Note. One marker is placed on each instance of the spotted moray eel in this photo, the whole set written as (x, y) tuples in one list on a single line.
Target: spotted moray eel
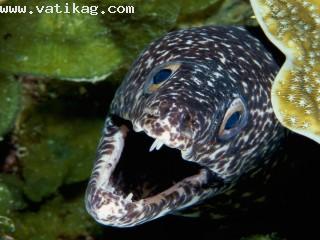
[(202, 93)]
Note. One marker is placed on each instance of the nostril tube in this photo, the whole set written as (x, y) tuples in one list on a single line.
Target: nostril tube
[(186, 118), (164, 108), (185, 122)]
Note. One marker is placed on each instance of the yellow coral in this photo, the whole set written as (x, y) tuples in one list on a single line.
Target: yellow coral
[(294, 27)]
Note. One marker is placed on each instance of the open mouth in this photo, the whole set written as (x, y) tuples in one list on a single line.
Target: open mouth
[(138, 178), (148, 167)]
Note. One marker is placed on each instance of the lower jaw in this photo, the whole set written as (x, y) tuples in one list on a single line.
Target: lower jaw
[(110, 199)]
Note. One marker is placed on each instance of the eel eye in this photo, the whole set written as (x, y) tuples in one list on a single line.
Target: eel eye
[(160, 75), (234, 120)]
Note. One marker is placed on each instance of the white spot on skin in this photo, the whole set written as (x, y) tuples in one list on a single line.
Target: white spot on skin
[(149, 62)]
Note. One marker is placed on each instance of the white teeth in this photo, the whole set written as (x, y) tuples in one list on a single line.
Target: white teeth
[(137, 128), (129, 197), (157, 144), (160, 144)]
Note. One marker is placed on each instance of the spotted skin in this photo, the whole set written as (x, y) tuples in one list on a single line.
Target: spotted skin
[(216, 67)]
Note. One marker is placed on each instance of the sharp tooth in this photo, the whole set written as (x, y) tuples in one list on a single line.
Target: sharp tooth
[(157, 144), (136, 128), (129, 197), (160, 144), (153, 146)]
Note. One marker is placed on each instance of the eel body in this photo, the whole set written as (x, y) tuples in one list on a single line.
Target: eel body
[(191, 119)]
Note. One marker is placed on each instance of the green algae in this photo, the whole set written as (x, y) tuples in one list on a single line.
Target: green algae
[(6, 226), (151, 20), (50, 46), (191, 6), (228, 12), (64, 46), (10, 97), (56, 219), (59, 140), (11, 200), (233, 12)]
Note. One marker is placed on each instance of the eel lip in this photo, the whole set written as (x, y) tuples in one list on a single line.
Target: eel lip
[(127, 190)]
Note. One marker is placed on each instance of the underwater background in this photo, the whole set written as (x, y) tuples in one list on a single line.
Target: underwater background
[(58, 74)]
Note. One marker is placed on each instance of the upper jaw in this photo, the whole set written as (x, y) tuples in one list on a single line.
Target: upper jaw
[(165, 133), (170, 139)]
